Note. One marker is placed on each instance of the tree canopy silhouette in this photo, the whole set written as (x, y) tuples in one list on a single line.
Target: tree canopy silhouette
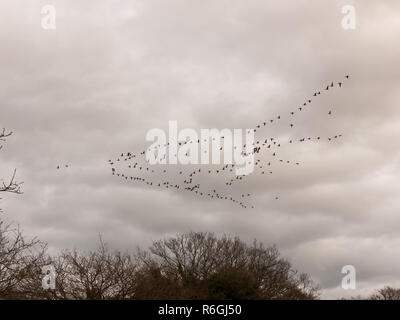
[(195, 265)]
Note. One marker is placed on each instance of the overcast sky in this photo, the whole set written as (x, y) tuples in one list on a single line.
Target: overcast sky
[(111, 70)]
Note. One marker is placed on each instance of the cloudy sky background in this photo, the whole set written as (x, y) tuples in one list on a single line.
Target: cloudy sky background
[(89, 90)]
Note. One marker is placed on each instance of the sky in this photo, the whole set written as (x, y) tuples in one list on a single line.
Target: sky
[(85, 92)]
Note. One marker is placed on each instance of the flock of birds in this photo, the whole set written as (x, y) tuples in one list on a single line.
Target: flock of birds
[(159, 176), (62, 166), (147, 174)]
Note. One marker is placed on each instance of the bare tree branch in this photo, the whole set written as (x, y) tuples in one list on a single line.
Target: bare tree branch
[(12, 186), (4, 134)]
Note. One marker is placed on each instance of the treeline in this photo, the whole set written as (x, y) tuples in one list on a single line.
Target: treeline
[(385, 293), (188, 266)]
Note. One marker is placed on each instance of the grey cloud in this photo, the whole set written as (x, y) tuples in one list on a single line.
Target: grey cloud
[(112, 70)]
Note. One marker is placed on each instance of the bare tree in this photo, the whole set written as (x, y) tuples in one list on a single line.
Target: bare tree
[(386, 293), (20, 261), (18, 256), (96, 275), (193, 260)]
